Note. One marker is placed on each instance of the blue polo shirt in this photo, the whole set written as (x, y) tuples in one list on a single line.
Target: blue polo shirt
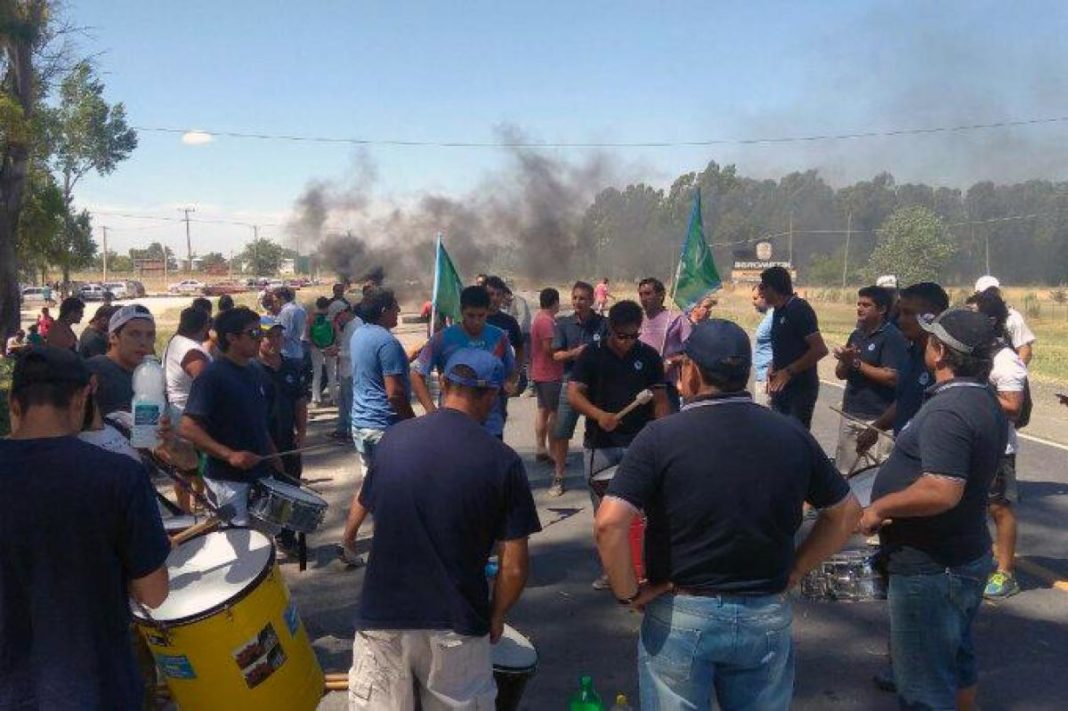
[(443, 491), (882, 348), (913, 379), (722, 484), (375, 353), (77, 524), (230, 403), (570, 333)]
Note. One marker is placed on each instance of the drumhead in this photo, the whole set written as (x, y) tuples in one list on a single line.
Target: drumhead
[(862, 482), (210, 570), (513, 652), (290, 491), (605, 474)]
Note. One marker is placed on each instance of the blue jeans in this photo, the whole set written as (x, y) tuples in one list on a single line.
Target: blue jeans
[(733, 646), (931, 633), (344, 405)]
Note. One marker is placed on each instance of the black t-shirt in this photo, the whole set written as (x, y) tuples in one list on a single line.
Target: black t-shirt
[(794, 322), (884, 347), (77, 524), (722, 485), (509, 325), (230, 403), (960, 432), (92, 343), (284, 387), (570, 334), (443, 491), (114, 385), (612, 383)]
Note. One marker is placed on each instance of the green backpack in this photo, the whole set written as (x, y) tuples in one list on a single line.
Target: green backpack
[(322, 332)]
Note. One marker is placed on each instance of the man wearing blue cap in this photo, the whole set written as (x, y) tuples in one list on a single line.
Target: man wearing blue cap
[(722, 511), (426, 615)]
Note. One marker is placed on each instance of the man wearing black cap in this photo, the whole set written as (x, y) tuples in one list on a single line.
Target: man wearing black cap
[(929, 505), (426, 614), (723, 508), (79, 529)]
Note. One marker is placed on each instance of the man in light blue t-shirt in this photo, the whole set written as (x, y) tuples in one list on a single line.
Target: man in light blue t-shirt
[(761, 348), (381, 392)]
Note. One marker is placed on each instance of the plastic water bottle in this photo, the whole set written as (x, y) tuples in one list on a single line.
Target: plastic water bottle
[(621, 704), (586, 698), (149, 403)]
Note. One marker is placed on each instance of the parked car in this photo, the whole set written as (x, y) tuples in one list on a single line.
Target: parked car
[(223, 287), (186, 286), (91, 292), (117, 289), (135, 289), (273, 284), (33, 293)]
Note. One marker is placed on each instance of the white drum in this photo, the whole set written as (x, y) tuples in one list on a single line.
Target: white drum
[(514, 661)]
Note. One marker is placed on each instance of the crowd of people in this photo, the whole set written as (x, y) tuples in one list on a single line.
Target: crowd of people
[(720, 475)]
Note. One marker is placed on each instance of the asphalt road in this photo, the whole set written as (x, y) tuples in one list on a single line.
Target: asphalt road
[(840, 645)]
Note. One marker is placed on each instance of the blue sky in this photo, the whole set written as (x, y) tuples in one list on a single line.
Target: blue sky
[(559, 71)]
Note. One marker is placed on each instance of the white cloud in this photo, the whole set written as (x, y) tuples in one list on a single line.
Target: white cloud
[(197, 138)]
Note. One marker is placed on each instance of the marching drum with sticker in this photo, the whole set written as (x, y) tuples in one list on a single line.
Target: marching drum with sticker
[(514, 661), (282, 505), (228, 635)]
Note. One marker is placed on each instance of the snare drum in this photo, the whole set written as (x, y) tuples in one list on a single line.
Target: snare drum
[(228, 635), (862, 482), (847, 575), (514, 661), (282, 505)]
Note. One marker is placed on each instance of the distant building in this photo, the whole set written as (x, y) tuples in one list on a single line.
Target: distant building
[(287, 267)]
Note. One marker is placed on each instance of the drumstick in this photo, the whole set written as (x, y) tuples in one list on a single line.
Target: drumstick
[(196, 529), (301, 450), (642, 398), (859, 421)]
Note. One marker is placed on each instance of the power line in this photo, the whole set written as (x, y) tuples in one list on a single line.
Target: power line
[(163, 218), (1008, 123)]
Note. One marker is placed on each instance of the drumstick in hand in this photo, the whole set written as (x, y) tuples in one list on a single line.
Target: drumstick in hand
[(642, 398)]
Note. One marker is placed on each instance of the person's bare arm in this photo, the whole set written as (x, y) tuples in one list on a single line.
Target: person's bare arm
[(1011, 403), (1025, 352), (817, 350), (929, 495), (612, 531), (398, 397), (564, 356), (194, 363), (422, 392), (833, 528), (576, 397), (152, 589), (514, 565), (193, 431)]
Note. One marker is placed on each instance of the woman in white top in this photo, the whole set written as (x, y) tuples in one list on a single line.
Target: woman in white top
[(183, 360)]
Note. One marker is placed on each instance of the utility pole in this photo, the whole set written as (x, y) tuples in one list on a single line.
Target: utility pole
[(163, 246), (188, 241), (230, 264), (104, 259), (986, 238), (845, 259), (791, 249), (255, 248)]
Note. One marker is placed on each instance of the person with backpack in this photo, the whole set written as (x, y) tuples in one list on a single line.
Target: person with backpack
[(324, 351), (1008, 377)]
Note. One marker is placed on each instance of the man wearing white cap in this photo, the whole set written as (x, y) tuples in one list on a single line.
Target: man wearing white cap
[(131, 337), (1021, 336), (889, 282)]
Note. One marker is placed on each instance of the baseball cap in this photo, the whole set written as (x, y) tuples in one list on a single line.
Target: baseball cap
[(127, 313), (41, 364), (962, 330), (985, 282), (335, 308), (719, 345), (268, 322), (488, 369), (887, 281)]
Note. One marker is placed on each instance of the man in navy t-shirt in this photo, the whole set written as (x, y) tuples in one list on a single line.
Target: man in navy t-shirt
[(79, 529), (426, 615), (796, 347), (226, 416)]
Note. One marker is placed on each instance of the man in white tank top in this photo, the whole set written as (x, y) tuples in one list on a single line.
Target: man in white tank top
[(183, 360)]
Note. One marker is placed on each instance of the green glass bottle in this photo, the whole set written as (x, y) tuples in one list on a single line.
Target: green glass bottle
[(586, 698)]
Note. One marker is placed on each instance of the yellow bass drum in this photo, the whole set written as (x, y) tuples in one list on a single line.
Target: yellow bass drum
[(228, 635)]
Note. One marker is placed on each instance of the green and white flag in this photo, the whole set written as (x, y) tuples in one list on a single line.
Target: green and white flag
[(696, 275), (447, 287)]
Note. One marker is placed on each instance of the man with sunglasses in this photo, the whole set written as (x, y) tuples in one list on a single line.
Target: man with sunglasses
[(226, 416), (606, 378)]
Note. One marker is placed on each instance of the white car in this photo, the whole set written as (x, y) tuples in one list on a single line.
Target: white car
[(117, 289), (186, 286), (91, 292), (34, 293)]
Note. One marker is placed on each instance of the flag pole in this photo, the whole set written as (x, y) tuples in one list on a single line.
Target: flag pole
[(682, 249), (434, 292)]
